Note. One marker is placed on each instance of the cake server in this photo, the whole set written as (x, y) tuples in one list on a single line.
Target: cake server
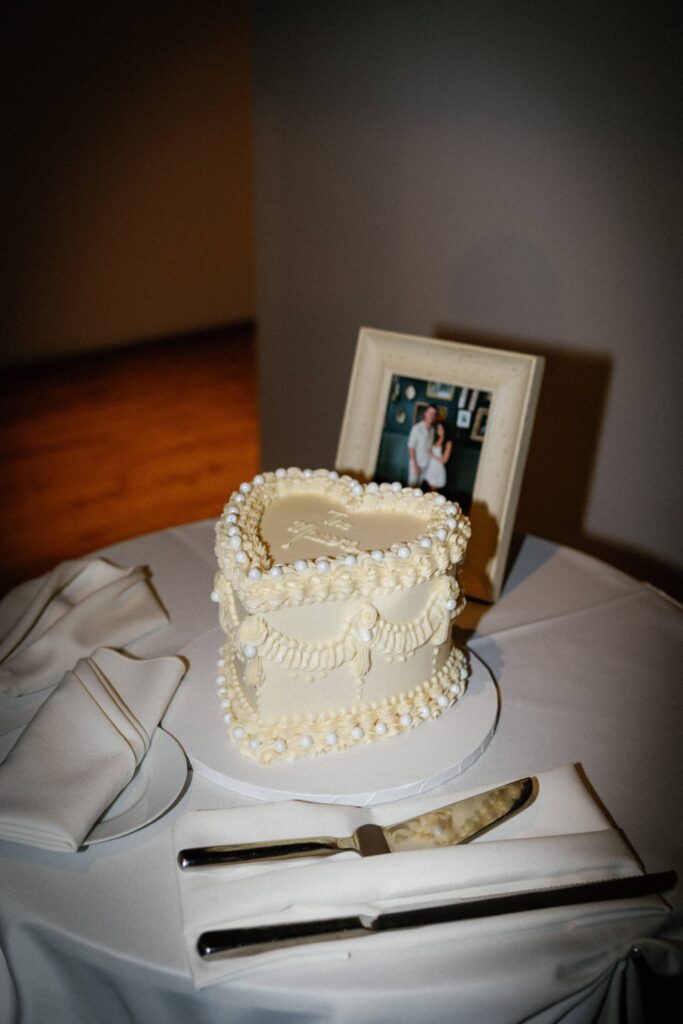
[(445, 826), (233, 942)]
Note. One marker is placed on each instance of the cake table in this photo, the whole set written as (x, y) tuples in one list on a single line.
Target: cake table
[(586, 663)]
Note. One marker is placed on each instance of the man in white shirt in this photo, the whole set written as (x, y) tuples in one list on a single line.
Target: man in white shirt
[(420, 441)]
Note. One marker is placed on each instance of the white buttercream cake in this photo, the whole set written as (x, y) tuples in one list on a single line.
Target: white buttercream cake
[(337, 601)]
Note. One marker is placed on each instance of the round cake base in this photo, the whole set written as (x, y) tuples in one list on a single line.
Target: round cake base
[(372, 773)]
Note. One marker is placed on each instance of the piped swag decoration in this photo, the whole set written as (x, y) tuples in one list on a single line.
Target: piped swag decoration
[(364, 633)]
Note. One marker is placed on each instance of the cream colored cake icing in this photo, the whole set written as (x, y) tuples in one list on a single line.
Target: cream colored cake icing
[(337, 601)]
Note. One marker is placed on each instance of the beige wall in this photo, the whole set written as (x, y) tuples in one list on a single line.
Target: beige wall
[(510, 174), (128, 191)]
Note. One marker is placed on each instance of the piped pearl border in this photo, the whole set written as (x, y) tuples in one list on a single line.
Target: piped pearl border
[(307, 735), (261, 585)]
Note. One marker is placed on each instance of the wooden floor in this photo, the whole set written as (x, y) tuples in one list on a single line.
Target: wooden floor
[(101, 447)]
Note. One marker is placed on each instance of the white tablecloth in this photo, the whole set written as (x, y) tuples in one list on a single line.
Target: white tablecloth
[(588, 665)]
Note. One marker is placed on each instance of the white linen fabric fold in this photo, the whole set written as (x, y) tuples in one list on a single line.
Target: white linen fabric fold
[(79, 606), (562, 838), (83, 747)]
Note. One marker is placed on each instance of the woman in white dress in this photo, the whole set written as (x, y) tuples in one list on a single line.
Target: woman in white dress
[(435, 474)]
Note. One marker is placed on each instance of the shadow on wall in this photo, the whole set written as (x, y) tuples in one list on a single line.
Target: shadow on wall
[(564, 444)]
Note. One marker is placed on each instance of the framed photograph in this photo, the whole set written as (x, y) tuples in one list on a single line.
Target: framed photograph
[(479, 428), (437, 389), (468, 414)]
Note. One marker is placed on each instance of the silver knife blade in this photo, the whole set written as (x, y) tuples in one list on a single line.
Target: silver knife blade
[(234, 942), (458, 822)]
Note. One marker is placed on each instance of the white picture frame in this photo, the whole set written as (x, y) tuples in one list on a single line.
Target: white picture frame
[(509, 381)]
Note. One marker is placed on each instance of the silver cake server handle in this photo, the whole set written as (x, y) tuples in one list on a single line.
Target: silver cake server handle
[(445, 826)]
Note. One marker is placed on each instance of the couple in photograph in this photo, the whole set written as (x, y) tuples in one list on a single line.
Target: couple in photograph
[(428, 451)]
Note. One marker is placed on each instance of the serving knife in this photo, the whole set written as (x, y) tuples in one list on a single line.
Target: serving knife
[(234, 942), (446, 826)]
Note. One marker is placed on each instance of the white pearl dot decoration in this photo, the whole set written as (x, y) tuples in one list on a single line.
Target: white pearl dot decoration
[(245, 488), (227, 717), (396, 487), (333, 474), (225, 703), (220, 680), (254, 573), (442, 700), (357, 489), (406, 720), (215, 597), (440, 499), (306, 742), (450, 604), (424, 712), (357, 733), (259, 479), (454, 688), (279, 746), (323, 565), (308, 473), (220, 663), (242, 557), (301, 565), (403, 551), (280, 473), (331, 739), (463, 673), (365, 635), (441, 533), (377, 555), (275, 572), (235, 542), (350, 560), (425, 542), (381, 728), (451, 524), (237, 732), (233, 531), (254, 744), (372, 488), (249, 651), (238, 499)]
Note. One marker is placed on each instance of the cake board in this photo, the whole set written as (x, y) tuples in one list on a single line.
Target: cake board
[(372, 773)]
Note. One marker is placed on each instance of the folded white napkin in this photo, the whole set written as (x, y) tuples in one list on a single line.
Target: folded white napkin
[(79, 606), (83, 747), (562, 838)]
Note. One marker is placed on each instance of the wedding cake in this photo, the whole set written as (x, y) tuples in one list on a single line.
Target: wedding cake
[(337, 601)]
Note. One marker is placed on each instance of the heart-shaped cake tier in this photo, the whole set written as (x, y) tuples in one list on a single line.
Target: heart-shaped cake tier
[(370, 654), (294, 535)]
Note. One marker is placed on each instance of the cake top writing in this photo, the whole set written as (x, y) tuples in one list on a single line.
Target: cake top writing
[(307, 526)]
